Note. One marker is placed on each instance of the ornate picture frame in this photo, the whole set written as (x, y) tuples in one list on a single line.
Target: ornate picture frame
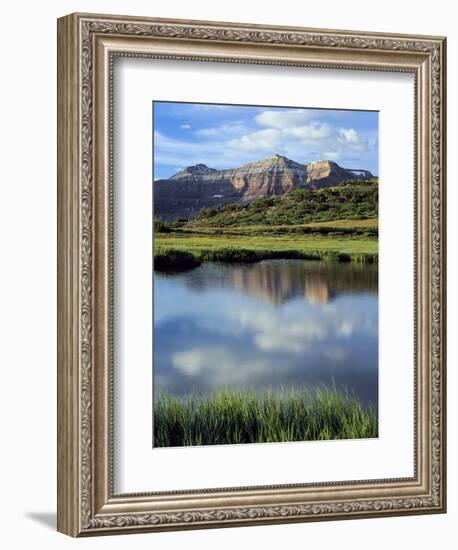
[(87, 46)]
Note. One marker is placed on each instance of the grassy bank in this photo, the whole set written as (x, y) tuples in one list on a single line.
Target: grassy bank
[(229, 417), (170, 247), (337, 228), (367, 227)]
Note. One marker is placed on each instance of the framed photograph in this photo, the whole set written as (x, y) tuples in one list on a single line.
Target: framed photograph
[(251, 290)]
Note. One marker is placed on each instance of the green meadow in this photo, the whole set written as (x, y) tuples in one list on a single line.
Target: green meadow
[(338, 223), (339, 241), (231, 417)]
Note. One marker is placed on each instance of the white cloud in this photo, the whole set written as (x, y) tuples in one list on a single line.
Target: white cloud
[(296, 129), (278, 342), (350, 138), (258, 141), (301, 135), (346, 327), (310, 133), (192, 361), (348, 135), (294, 337), (271, 332), (294, 139), (283, 119), (219, 365)]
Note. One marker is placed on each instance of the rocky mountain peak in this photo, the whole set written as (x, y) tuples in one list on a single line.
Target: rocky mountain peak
[(281, 159), (323, 162), (198, 186), (275, 175), (275, 162), (193, 171), (327, 172), (277, 157)]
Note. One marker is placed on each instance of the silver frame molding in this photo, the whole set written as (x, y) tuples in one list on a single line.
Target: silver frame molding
[(87, 45)]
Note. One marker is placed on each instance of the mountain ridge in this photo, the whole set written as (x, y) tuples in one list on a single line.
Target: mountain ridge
[(189, 191)]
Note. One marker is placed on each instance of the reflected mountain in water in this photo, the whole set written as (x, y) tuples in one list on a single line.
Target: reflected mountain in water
[(282, 280), (273, 324)]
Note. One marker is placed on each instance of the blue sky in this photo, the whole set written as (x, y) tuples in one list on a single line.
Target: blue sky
[(228, 136)]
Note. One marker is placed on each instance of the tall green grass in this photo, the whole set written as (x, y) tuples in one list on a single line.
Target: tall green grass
[(230, 417)]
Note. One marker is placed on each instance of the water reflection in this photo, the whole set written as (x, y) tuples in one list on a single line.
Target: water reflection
[(265, 325), (280, 280)]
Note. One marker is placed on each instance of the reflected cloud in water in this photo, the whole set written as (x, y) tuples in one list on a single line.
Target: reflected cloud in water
[(271, 324)]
